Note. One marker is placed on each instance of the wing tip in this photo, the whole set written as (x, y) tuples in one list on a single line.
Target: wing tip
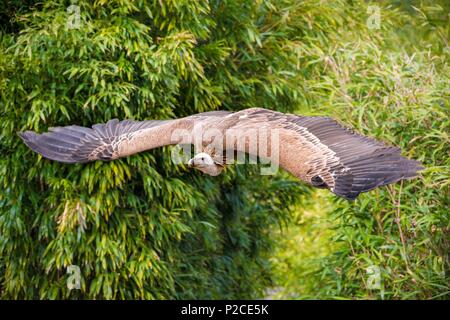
[(25, 135), (28, 137), (349, 189), (32, 140)]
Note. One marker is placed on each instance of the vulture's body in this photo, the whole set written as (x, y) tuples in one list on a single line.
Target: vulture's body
[(316, 150)]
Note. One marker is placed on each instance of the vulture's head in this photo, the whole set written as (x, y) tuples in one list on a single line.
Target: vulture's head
[(206, 164)]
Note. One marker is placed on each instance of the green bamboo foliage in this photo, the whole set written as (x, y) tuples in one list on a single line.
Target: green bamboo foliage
[(140, 227), (391, 83)]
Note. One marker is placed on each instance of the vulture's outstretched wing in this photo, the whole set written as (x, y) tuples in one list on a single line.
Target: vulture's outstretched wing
[(317, 150), (113, 140), (352, 163), (75, 144), (325, 154)]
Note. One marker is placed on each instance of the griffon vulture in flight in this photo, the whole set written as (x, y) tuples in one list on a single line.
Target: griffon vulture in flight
[(316, 150)]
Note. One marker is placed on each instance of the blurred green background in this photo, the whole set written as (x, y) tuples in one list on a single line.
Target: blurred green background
[(144, 228)]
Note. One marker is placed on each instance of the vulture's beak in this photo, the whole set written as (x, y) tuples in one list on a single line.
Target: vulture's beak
[(190, 163)]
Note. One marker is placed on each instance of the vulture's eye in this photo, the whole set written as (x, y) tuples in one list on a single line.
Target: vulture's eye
[(203, 159), (318, 182)]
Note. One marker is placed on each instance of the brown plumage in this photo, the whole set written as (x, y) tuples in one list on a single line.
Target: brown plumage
[(317, 150)]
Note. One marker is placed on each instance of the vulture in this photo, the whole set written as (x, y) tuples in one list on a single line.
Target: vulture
[(315, 149)]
